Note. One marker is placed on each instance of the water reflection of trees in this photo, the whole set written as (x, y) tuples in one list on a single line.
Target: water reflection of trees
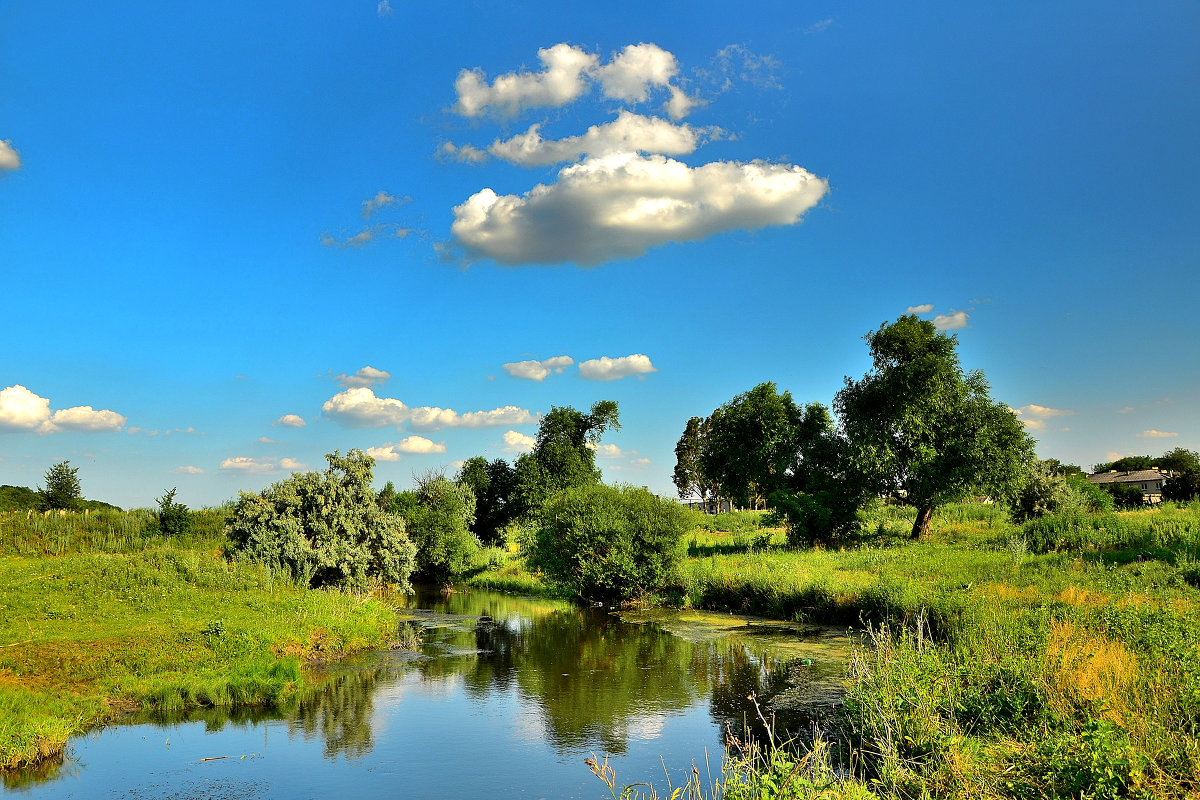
[(339, 711)]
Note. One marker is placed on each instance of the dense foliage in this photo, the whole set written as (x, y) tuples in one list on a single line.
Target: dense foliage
[(438, 515), (609, 543), (324, 528), (493, 483), (1178, 459)]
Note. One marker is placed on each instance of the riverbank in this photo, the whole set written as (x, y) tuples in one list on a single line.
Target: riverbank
[(100, 615), (1059, 658)]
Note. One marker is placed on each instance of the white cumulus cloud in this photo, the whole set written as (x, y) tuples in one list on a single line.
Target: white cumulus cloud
[(621, 205), (360, 408), (419, 445), (611, 369), (606, 450), (386, 452), (1153, 434), (9, 157), (291, 463), (628, 133), (534, 370), (563, 79), (367, 376), (247, 464), (924, 308), (631, 74), (952, 321), (517, 442), (291, 421), (467, 153), (86, 419), (23, 410)]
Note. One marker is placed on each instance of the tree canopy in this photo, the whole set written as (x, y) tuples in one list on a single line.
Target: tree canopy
[(62, 488), (925, 432), (564, 453), (493, 483), (751, 443)]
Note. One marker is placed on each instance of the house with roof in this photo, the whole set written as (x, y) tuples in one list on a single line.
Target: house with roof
[(1150, 481)]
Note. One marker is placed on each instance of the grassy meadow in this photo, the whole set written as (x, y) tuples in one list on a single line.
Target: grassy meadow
[(101, 614), (1060, 658)]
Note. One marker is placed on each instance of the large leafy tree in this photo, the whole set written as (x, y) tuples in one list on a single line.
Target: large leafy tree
[(438, 515), (564, 454), (751, 443), (925, 432), (62, 488), (493, 483)]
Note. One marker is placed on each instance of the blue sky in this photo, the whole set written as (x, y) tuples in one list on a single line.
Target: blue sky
[(414, 226)]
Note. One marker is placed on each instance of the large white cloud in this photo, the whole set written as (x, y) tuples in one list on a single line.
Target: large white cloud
[(620, 205), (628, 133), (611, 369), (22, 410), (534, 370), (360, 408), (9, 157), (563, 79)]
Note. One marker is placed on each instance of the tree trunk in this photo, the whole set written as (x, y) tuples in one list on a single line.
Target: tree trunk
[(920, 529)]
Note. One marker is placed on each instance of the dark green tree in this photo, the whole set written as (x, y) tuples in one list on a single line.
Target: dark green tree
[(751, 443), (822, 490), (689, 476), (62, 488), (923, 431), (564, 453), (174, 519), (1179, 460), (1182, 487), (1126, 464), (493, 484)]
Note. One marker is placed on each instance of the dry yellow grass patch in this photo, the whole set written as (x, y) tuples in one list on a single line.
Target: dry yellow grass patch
[(1083, 666), (1075, 596), (1004, 591)]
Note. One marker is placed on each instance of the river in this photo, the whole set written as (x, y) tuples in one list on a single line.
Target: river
[(506, 698)]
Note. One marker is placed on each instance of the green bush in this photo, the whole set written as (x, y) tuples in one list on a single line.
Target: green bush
[(1125, 495), (324, 528), (438, 517), (609, 543), (174, 519)]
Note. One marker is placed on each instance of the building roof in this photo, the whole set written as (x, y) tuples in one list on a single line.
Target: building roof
[(1135, 476)]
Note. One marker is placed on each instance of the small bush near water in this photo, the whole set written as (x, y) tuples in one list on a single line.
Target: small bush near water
[(609, 543)]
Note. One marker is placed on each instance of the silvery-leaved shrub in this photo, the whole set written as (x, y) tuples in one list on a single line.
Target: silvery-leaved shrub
[(324, 528)]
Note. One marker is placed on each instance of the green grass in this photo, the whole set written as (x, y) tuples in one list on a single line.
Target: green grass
[(100, 614)]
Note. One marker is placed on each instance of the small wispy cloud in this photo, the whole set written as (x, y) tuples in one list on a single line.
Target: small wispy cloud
[(366, 376), (1155, 434), (466, 154), (1034, 416), (188, 470), (290, 421), (381, 200), (1126, 410), (384, 9)]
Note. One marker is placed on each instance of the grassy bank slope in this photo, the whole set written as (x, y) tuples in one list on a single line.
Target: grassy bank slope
[(100, 614)]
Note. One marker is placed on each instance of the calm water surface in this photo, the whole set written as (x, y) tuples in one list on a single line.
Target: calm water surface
[(506, 698)]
